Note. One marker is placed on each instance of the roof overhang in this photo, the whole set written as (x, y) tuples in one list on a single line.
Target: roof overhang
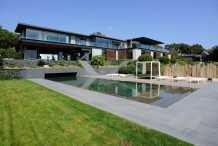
[(146, 41), (38, 43), (21, 26)]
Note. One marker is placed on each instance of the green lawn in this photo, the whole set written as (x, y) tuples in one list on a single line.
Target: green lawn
[(31, 114)]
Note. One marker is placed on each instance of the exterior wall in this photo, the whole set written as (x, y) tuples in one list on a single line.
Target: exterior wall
[(24, 52), (117, 55), (158, 54), (152, 54), (73, 39), (96, 52), (122, 54), (111, 55), (136, 53), (87, 42)]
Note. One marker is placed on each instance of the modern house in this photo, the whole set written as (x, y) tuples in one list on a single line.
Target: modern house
[(45, 43)]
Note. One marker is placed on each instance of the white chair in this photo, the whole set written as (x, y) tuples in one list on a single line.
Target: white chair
[(179, 79), (196, 80), (122, 75), (162, 78)]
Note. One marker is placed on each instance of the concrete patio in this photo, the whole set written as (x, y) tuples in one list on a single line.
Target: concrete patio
[(193, 119)]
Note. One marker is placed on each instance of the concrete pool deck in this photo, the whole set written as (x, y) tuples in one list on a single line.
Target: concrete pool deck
[(193, 119)]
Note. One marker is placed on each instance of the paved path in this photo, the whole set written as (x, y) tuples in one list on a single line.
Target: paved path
[(193, 119)]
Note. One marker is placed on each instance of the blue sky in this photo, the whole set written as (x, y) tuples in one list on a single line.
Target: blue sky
[(169, 21)]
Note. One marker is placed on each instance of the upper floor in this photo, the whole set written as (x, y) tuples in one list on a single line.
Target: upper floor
[(53, 35)]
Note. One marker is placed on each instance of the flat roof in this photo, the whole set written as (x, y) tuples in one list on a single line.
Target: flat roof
[(146, 40), (21, 26)]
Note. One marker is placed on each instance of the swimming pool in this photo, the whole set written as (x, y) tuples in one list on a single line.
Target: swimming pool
[(154, 94)]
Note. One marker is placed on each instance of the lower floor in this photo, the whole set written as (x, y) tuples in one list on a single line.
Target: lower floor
[(33, 53), (32, 50)]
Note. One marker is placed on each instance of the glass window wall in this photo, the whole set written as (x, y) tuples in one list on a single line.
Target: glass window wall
[(80, 40), (145, 46), (104, 43), (136, 44), (47, 36)]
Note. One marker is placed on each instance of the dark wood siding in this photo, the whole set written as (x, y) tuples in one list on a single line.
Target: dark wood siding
[(157, 55), (111, 55), (122, 54)]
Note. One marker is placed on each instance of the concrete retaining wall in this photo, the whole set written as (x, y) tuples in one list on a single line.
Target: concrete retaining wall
[(109, 70), (40, 72)]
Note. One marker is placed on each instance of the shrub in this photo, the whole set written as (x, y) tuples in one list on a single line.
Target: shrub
[(131, 69), (122, 70), (164, 59), (131, 62), (117, 62), (10, 74), (139, 71), (62, 62), (41, 62), (181, 63), (97, 60), (77, 64), (9, 53), (173, 61), (145, 57)]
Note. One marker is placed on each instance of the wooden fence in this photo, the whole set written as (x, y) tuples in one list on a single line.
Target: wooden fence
[(199, 70)]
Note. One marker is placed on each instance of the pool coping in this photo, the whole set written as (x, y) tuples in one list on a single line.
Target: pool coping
[(192, 119)]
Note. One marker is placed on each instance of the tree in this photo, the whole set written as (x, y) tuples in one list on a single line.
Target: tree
[(9, 53), (174, 54), (158, 46), (172, 47), (213, 53), (8, 39), (197, 49), (98, 33), (175, 49), (0, 27)]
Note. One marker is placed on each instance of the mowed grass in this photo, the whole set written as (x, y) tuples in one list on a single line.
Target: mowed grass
[(31, 114)]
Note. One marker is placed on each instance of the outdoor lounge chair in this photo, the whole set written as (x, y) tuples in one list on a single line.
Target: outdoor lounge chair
[(179, 79), (162, 78), (122, 75), (196, 80)]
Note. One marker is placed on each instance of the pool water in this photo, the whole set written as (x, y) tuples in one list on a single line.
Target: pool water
[(154, 94)]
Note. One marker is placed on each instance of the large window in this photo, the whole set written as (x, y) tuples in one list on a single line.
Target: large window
[(80, 40), (53, 37), (145, 46), (32, 34), (116, 45), (31, 54), (136, 44), (104, 43), (47, 36)]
